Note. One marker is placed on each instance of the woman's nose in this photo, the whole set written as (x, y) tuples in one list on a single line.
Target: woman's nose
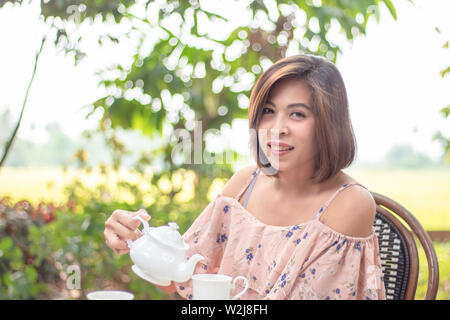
[(280, 127)]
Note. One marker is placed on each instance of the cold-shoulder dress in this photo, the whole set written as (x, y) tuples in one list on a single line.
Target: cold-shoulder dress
[(304, 261)]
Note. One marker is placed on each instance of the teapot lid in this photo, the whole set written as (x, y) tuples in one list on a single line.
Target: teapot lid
[(169, 235)]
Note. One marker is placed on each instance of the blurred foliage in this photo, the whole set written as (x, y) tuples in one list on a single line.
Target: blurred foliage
[(26, 262), (439, 136), (443, 255), (38, 245), (182, 72), (404, 156), (445, 141)]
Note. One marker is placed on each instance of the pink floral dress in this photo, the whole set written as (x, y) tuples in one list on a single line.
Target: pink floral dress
[(304, 261)]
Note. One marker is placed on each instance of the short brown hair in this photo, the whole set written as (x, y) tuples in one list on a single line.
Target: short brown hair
[(334, 135)]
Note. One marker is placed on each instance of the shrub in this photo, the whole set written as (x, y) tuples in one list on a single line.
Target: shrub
[(56, 252), (26, 264)]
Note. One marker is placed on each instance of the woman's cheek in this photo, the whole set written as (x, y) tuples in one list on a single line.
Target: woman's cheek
[(262, 139)]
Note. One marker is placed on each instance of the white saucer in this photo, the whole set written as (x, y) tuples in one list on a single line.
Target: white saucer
[(144, 276)]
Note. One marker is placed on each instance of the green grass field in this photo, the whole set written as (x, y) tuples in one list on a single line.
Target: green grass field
[(32, 184), (425, 193)]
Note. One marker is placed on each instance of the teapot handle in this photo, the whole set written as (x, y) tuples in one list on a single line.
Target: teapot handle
[(144, 222), (146, 228)]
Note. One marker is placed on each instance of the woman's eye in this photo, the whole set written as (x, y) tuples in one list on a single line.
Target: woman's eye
[(299, 114), (268, 110)]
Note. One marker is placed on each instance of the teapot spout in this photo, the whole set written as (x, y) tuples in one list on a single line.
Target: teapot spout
[(184, 272)]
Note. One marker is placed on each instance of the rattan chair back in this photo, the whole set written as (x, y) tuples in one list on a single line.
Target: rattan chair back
[(398, 250)]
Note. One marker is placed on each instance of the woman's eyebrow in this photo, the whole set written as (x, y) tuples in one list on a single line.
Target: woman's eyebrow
[(292, 105)]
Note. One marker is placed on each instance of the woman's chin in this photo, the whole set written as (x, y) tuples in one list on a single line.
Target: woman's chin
[(277, 166), (277, 161)]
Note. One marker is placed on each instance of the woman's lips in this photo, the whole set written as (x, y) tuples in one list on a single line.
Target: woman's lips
[(279, 152)]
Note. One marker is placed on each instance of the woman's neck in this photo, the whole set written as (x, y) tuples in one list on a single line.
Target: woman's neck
[(297, 183)]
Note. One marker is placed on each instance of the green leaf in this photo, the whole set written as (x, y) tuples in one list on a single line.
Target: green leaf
[(445, 71), (391, 8), (31, 273), (6, 244), (445, 111), (215, 15)]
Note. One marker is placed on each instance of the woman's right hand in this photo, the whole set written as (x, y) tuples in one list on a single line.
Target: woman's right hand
[(121, 226)]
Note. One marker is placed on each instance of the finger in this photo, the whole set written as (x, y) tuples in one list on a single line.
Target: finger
[(113, 241), (142, 213), (109, 237), (126, 219), (118, 233), (137, 234), (120, 251), (120, 211)]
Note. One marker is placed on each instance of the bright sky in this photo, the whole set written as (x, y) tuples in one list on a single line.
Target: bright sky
[(392, 79)]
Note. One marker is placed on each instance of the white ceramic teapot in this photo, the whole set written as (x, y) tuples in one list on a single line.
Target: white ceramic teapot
[(159, 255)]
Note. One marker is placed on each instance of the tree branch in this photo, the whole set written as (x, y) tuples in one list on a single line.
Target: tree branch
[(16, 129)]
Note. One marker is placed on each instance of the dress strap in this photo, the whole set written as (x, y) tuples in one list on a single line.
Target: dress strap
[(249, 190), (325, 206), (250, 181)]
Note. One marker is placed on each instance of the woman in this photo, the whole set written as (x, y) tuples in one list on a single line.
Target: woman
[(295, 225)]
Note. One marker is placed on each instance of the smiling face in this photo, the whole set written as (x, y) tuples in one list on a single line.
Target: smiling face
[(287, 117), (322, 137)]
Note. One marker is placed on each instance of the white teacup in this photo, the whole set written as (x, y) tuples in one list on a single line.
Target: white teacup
[(215, 286), (110, 295)]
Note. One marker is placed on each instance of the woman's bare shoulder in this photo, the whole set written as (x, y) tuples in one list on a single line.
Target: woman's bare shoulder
[(237, 181), (352, 212)]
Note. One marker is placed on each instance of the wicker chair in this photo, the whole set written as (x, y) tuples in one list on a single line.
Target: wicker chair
[(398, 251)]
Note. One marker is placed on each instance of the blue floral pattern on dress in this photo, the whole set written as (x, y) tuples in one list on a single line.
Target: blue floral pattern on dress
[(249, 254), (221, 237), (284, 269), (283, 283)]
